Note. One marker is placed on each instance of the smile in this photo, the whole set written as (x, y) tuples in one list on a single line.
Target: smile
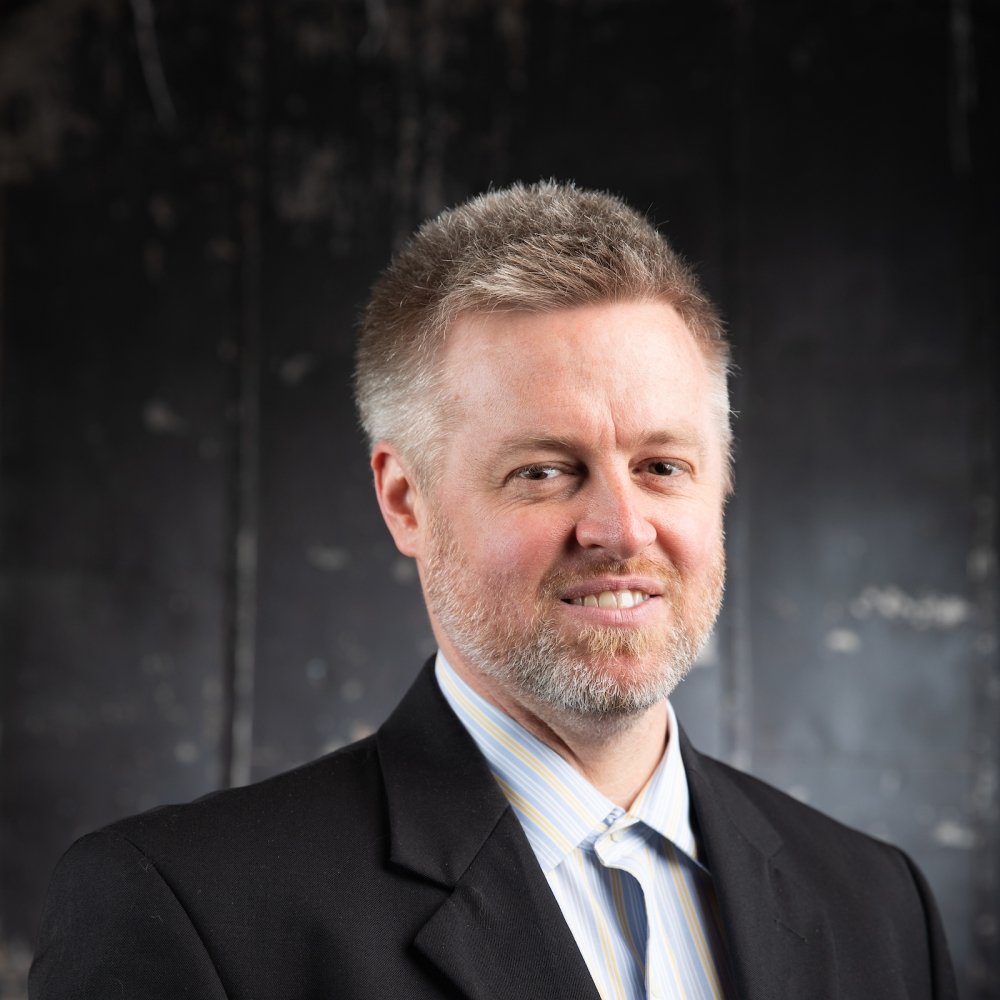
[(611, 599)]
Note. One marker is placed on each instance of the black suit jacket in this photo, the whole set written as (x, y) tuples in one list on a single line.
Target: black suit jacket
[(395, 869)]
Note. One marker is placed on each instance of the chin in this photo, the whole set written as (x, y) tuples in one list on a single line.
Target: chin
[(601, 687)]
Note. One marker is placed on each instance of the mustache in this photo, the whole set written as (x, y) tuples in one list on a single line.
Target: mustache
[(561, 580)]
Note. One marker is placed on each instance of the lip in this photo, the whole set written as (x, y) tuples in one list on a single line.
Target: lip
[(599, 584), (646, 613)]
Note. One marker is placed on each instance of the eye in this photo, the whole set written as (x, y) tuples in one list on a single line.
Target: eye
[(668, 468), (534, 473)]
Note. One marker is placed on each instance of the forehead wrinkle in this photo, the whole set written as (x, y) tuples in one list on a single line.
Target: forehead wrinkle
[(685, 437)]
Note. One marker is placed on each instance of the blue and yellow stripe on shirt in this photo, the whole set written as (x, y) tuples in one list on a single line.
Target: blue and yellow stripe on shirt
[(638, 901)]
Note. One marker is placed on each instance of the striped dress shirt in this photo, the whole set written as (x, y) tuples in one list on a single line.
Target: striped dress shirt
[(638, 901)]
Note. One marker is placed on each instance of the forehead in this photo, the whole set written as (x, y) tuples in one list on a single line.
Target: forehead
[(627, 366)]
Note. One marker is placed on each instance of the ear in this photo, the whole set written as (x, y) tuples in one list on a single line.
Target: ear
[(398, 498)]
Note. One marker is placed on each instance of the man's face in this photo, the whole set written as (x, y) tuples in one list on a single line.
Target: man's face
[(571, 543)]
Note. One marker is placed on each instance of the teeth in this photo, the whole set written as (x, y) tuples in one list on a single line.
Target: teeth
[(611, 599)]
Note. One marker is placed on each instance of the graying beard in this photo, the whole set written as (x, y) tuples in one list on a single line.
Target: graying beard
[(545, 670), (574, 687)]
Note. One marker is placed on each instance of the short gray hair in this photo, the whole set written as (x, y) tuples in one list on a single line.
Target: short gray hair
[(537, 248)]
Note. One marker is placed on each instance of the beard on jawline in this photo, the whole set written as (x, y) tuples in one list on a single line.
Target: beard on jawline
[(604, 672)]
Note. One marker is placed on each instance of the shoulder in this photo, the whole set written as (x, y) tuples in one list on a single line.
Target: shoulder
[(340, 789), (164, 881), (812, 845), (810, 871), (331, 811), (167, 901), (234, 843)]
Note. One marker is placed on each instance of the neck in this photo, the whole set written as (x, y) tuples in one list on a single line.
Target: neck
[(617, 755)]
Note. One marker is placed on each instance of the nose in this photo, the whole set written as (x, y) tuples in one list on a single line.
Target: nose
[(613, 520)]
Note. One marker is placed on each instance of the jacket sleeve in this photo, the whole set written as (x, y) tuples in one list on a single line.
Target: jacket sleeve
[(113, 928)]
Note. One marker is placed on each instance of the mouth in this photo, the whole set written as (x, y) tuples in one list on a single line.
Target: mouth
[(610, 599)]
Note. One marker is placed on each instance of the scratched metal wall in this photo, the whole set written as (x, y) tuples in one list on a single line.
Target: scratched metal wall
[(196, 587)]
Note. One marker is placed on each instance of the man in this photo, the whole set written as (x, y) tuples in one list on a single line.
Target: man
[(543, 386)]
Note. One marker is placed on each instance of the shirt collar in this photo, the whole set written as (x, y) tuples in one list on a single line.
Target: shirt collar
[(558, 808)]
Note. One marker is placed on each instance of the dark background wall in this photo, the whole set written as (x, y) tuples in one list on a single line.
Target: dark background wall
[(196, 587)]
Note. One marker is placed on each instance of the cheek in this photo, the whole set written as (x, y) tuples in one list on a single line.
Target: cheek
[(694, 543), (518, 546)]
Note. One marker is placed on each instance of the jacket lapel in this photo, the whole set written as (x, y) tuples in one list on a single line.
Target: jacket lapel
[(777, 934), (499, 932)]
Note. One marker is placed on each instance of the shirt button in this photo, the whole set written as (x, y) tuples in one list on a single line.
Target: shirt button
[(618, 835)]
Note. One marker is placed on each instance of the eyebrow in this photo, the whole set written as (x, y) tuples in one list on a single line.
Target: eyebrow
[(685, 438)]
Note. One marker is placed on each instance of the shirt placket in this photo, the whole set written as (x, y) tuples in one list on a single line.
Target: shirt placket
[(624, 848)]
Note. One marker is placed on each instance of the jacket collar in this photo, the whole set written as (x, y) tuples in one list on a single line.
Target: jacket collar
[(498, 932), (433, 774)]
